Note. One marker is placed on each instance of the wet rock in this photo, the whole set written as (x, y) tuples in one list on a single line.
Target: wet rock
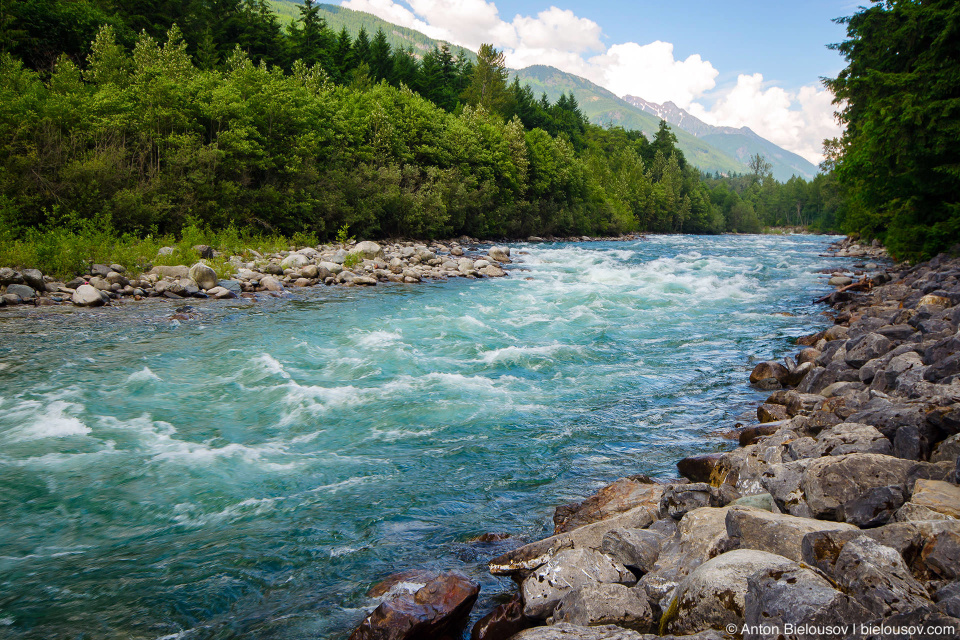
[(603, 604), (772, 413), (24, 292), (543, 589), (269, 283), (493, 271), (797, 597), (432, 609), (87, 296), (500, 254), (699, 468), (767, 370), (636, 549), (777, 533), (616, 498), (204, 276), (502, 623), (939, 496), (678, 499), (713, 596)]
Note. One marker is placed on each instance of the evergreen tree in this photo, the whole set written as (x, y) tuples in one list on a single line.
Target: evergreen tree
[(488, 87), (381, 57)]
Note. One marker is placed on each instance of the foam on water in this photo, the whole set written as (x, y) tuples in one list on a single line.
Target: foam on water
[(253, 476)]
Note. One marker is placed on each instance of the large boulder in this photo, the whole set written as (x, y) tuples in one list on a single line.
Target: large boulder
[(368, 250), (87, 296), (941, 555), (603, 603), (841, 439), (862, 350), (699, 468), (294, 261), (204, 276), (678, 499), (23, 291), (616, 498), (421, 607), (861, 488), (782, 534), (568, 570), (714, 595), (566, 631), (877, 577), (798, 597), (34, 278), (500, 254), (768, 370), (636, 549)]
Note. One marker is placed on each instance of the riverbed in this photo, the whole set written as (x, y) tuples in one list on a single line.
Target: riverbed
[(249, 469)]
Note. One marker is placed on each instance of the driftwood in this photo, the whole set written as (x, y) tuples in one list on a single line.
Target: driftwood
[(860, 285)]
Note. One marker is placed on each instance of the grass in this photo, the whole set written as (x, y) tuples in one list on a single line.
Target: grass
[(68, 248)]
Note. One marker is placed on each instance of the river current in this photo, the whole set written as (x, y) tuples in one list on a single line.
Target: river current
[(252, 471)]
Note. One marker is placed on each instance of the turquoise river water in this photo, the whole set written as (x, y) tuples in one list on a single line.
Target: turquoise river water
[(251, 472)]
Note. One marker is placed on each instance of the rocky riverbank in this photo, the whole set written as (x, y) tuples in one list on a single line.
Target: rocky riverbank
[(838, 516), (354, 264)]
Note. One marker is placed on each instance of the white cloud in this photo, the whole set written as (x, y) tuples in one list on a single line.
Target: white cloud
[(651, 72), (797, 121)]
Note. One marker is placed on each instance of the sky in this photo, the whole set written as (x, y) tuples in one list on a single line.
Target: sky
[(730, 63)]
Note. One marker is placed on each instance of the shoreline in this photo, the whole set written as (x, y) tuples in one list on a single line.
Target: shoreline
[(363, 263), (839, 508)]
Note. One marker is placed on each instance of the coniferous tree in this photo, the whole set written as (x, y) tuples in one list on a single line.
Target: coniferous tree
[(488, 87)]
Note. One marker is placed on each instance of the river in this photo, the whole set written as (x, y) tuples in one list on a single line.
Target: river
[(251, 472)]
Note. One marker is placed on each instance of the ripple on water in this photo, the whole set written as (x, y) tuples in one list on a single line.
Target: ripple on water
[(252, 475)]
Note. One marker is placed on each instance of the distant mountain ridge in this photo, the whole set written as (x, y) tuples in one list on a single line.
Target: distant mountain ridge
[(742, 143), (709, 148)]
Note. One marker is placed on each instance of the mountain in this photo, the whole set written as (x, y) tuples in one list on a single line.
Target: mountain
[(742, 143), (723, 149), (606, 109), (342, 18)]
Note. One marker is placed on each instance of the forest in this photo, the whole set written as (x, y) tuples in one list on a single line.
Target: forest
[(145, 117)]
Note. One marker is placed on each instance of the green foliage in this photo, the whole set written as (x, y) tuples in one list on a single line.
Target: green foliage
[(342, 237), (898, 159), (352, 260)]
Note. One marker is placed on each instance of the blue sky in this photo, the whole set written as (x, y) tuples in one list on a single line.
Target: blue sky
[(785, 41), (739, 63)]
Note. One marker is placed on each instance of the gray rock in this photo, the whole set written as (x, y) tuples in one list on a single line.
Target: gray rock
[(948, 450), (204, 276), (870, 346), (912, 512), (101, 270), (678, 499), (948, 599), (493, 271), (368, 250), (777, 533), (840, 281), (602, 603), (636, 549), (922, 623), (165, 251), (310, 271), (876, 576), (713, 596), (797, 597), (294, 261), (332, 267), (87, 296), (9, 276), (273, 269), (841, 439), (34, 279), (203, 250), (178, 271), (827, 488), (269, 283), (942, 555), (520, 562), (24, 292), (567, 570), (11, 299)]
